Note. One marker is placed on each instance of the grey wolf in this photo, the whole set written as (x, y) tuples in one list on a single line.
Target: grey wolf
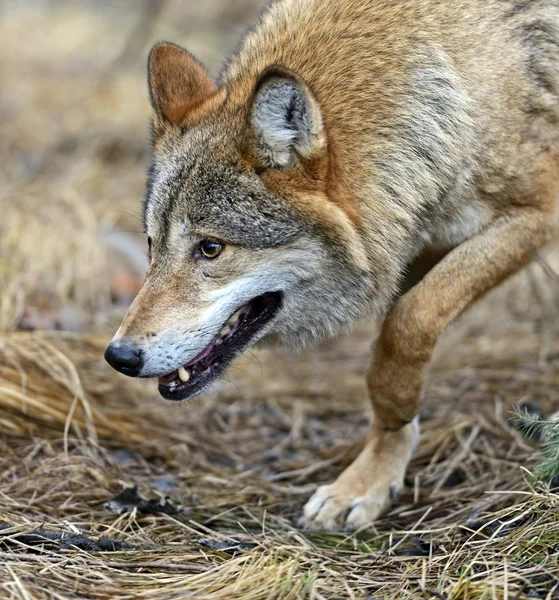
[(356, 159)]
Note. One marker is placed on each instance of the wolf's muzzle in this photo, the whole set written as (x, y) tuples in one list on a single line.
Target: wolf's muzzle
[(124, 357)]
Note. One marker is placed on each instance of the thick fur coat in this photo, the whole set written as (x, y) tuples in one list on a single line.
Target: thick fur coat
[(356, 159)]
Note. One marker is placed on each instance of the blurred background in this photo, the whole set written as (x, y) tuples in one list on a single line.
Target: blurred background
[(74, 114), (239, 462)]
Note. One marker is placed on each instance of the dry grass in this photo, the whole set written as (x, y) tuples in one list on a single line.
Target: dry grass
[(239, 462)]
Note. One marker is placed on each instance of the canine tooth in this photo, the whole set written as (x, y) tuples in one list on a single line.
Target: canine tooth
[(184, 374), (224, 330)]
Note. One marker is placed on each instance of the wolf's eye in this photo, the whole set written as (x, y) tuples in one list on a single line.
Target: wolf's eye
[(210, 249)]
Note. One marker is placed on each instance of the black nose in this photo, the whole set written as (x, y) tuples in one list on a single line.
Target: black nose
[(124, 357)]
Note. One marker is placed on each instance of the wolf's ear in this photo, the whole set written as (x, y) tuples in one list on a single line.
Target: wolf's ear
[(177, 82), (285, 119)]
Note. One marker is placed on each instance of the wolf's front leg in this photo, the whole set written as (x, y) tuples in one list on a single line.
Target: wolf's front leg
[(366, 487), (402, 356)]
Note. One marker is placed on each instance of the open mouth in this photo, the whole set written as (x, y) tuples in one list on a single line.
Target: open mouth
[(234, 337)]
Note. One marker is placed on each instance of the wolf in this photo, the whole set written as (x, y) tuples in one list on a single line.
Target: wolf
[(355, 159)]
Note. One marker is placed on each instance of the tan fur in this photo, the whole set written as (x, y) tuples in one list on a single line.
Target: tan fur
[(178, 84), (435, 138)]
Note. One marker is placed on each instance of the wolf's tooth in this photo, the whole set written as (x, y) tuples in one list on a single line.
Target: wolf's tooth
[(234, 318), (184, 374), (224, 330)]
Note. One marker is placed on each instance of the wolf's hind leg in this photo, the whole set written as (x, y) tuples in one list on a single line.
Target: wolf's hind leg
[(401, 357)]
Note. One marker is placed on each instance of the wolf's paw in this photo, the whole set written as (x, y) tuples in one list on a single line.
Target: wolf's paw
[(365, 489), (330, 510)]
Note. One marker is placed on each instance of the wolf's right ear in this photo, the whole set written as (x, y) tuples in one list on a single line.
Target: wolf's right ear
[(177, 82), (285, 119)]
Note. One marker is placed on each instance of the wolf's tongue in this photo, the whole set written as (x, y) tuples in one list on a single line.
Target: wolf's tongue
[(202, 354)]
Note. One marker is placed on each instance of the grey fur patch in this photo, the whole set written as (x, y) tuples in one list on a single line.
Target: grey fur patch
[(424, 170), (284, 121), (539, 34), (240, 209), (191, 184)]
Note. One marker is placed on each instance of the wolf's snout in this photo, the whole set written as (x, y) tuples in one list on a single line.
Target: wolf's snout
[(124, 357)]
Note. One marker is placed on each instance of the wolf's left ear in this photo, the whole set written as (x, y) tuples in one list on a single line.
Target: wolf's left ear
[(177, 82), (285, 119)]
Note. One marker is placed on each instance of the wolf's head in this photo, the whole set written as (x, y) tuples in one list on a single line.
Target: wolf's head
[(244, 238)]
